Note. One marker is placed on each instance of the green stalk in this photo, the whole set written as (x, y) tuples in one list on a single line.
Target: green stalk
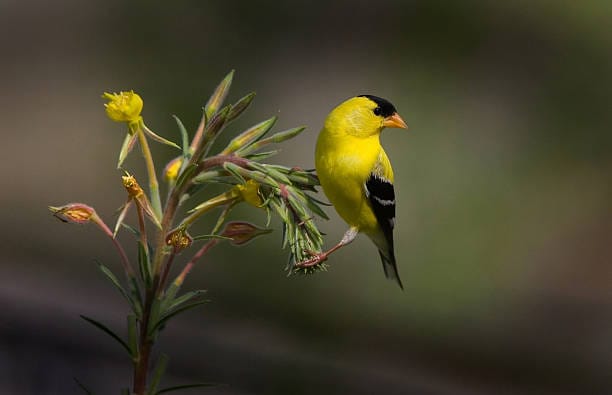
[(153, 184)]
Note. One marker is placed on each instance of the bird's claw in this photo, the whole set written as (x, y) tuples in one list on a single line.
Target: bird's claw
[(315, 259)]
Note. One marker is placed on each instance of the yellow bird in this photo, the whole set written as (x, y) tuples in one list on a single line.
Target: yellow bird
[(356, 174)]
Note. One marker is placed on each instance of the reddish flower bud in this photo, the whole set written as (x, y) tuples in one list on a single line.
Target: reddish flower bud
[(76, 213), (242, 232)]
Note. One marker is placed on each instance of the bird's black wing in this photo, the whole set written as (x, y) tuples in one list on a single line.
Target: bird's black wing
[(381, 195)]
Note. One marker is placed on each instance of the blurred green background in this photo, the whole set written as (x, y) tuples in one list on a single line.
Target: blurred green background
[(504, 183)]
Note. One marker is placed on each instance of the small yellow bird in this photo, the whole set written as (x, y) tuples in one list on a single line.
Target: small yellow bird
[(356, 174)]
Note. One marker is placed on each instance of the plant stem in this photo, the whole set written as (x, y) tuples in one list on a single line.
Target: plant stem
[(124, 258), (141, 368), (181, 277), (153, 184)]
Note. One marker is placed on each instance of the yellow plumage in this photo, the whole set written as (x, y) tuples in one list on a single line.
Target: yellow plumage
[(356, 174)]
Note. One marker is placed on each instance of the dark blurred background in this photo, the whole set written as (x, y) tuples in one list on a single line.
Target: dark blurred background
[(504, 182)]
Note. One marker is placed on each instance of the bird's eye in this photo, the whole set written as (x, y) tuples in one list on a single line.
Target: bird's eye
[(377, 111)]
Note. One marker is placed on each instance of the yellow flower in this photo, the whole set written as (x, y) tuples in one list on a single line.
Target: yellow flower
[(172, 168), (249, 192), (123, 106)]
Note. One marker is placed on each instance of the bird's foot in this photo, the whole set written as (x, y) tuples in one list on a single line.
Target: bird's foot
[(315, 259)]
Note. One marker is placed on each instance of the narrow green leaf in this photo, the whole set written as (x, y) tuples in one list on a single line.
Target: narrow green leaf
[(155, 137), (109, 274), (144, 264), (178, 310), (126, 148), (156, 312), (274, 139), (186, 297), (184, 387), (277, 175), (135, 291), (316, 209), (184, 139), (238, 108), (169, 296), (212, 236), (82, 386), (185, 175), (261, 155), (208, 176), (249, 136), (160, 368), (109, 332), (132, 334), (219, 95), (234, 170)]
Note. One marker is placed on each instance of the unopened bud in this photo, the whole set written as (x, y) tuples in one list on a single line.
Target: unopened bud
[(242, 232), (76, 213), (171, 170)]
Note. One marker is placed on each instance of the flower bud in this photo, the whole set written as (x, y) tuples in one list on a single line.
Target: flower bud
[(76, 213), (171, 170), (123, 106), (242, 232)]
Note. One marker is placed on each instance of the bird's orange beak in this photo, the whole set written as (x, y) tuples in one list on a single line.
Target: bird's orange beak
[(394, 121)]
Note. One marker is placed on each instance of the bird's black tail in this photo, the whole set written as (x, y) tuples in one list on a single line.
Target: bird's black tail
[(390, 266)]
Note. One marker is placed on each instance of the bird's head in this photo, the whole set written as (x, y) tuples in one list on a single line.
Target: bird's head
[(364, 116)]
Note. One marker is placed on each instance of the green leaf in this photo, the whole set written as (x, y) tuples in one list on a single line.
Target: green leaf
[(135, 291), (126, 148), (184, 139), (185, 175), (208, 176), (249, 136), (132, 334), (219, 95), (186, 297), (274, 139), (109, 274), (272, 172), (261, 155), (175, 312), (82, 386), (168, 297), (207, 237), (144, 264), (234, 170), (125, 391), (184, 387), (213, 129), (158, 138), (238, 108), (156, 312), (160, 368), (109, 332), (316, 209)]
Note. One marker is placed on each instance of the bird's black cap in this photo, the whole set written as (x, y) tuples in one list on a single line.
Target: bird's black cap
[(384, 108)]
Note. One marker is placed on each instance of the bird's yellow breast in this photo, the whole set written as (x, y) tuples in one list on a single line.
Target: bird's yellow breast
[(344, 163)]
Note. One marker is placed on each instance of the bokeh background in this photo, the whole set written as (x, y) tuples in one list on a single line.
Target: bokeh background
[(504, 182)]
